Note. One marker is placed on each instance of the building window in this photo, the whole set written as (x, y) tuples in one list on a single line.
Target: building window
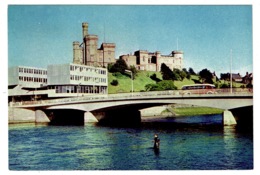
[(143, 58)]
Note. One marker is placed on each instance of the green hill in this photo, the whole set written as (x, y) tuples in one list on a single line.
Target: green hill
[(142, 78)]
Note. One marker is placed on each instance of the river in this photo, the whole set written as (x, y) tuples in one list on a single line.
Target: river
[(187, 143)]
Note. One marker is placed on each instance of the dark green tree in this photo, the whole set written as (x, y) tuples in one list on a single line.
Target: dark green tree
[(191, 71), (166, 72), (206, 76), (187, 73), (176, 74), (119, 66), (161, 86)]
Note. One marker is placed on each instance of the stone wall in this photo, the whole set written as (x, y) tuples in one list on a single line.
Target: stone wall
[(18, 115)]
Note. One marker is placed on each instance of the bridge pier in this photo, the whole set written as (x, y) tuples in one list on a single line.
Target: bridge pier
[(41, 117), (228, 118), (90, 118)]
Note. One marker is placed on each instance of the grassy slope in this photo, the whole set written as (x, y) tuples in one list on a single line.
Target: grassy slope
[(188, 111), (142, 79), (125, 85)]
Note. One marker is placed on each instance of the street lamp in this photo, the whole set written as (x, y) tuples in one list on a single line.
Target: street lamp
[(231, 71), (132, 80)]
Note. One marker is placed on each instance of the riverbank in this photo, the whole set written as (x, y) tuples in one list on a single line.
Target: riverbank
[(195, 110), (178, 110)]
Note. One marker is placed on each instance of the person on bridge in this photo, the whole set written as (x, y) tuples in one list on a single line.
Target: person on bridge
[(156, 144)]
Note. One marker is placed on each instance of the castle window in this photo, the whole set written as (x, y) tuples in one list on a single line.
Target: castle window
[(143, 58)]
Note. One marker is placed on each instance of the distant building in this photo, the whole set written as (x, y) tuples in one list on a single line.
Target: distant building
[(248, 78), (88, 53), (151, 61), (235, 77)]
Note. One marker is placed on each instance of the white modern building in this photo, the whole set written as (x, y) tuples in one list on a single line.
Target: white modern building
[(62, 80), (29, 77), (76, 80), (26, 83)]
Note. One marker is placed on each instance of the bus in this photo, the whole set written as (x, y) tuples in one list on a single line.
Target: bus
[(199, 89)]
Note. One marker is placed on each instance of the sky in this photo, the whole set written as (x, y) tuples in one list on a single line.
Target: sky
[(39, 35)]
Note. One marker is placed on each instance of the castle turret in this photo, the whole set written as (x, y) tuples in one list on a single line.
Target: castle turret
[(84, 29), (77, 53), (177, 54)]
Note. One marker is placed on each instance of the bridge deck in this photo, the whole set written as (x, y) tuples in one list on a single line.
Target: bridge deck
[(134, 96)]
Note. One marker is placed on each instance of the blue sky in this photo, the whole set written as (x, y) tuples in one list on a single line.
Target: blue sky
[(42, 35)]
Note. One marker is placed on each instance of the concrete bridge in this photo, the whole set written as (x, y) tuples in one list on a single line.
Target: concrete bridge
[(125, 107)]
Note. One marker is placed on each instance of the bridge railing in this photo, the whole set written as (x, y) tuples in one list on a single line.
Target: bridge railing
[(177, 93)]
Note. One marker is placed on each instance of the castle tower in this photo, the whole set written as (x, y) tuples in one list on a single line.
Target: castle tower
[(178, 59), (91, 42), (77, 53), (177, 54), (84, 29)]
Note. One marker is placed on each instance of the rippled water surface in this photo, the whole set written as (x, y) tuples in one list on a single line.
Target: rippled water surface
[(91, 147)]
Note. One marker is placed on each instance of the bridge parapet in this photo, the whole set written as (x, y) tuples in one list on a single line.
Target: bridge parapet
[(178, 94)]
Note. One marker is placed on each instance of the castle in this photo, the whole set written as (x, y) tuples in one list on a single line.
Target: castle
[(151, 61), (88, 53)]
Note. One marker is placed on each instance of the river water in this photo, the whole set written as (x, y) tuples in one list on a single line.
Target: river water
[(188, 143)]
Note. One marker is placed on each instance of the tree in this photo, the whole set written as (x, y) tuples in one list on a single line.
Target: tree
[(119, 66), (161, 86), (187, 73), (109, 66), (167, 85), (206, 76), (134, 71), (191, 71), (166, 72), (176, 74)]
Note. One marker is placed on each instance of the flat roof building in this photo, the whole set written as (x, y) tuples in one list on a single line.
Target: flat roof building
[(29, 77), (74, 80)]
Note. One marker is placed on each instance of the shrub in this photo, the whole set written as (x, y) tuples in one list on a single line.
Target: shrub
[(114, 83)]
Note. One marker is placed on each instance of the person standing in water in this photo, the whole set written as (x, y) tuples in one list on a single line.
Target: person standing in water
[(156, 144)]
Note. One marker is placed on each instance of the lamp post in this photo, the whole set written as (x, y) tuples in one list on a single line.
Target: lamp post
[(132, 80), (231, 71)]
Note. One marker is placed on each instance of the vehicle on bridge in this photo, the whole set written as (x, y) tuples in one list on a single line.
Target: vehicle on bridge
[(199, 89)]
